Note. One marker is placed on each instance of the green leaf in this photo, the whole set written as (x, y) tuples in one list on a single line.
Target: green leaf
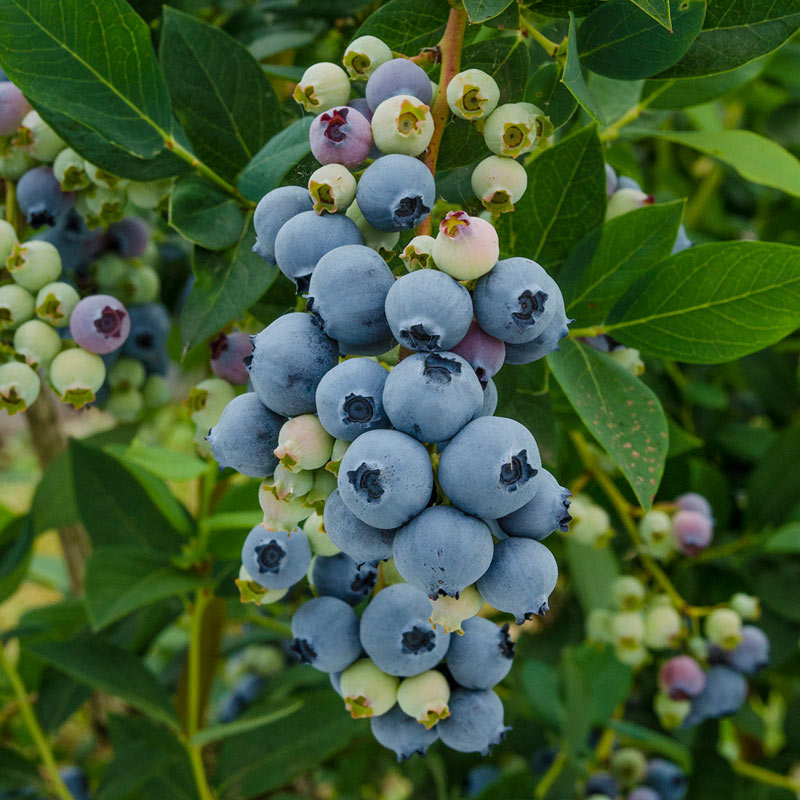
[(610, 681), (226, 285), (217, 733), (407, 25), (121, 579), (16, 772), (680, 440), (565, 199), (659, 10), (541, 684), (58, 697), (16, 543), (269, 166), (115, 507), (280, 40), (773, 487), (784, 540), (593, 570), (577, 697), (204, 214), (104, 666), (736, 32), (481, 10), (573, 76), (607, 261), (546, 90), (221, 96), (622, 41), (92, 61), (169, 465), (654, 742), (712, 303), (620, 412), (754, 157)]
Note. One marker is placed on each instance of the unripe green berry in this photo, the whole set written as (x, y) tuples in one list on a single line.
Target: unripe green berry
[(382, 242), (466, 247), (655, 528), (627, 629), (598, 626), (303, 443), (629, 766), (252, 592), (323, 86), (38, 139), (19, 387), (69, 170), (37, 342), (723, 627), (16, 306), (671, 713), (100, 206), (332, 188), (417, 254), (367, 691), (207, 401), (698, 647), (292, 484), (323, 486), (156, 391), (364, 55), (629, 359), (111, 273), (126, 405), (449, 613), (515, 128), (663, 627), (499, 183), (281, 515), (34, 264), (634, 657), (100, 177), (76, 376), (151, 194), (390, 575), (125, 374), (425, 697), (402, 124), (746, 606), (14, 164), (142, 285), (591, 524), (55, 302), (627, 593), (314, 529), (472, 94), (8, 238)]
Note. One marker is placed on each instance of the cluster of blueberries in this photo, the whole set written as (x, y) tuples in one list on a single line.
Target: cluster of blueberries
[(109, 346), (370, 414), (635, 777)]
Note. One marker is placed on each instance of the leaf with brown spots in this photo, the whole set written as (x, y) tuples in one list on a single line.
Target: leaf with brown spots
[(620, 412)]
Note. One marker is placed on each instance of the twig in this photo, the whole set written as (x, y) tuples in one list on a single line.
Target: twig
[(633, 113)]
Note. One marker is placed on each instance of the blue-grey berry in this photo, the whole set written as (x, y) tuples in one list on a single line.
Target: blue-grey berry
[(340, 576), (273, 210), (546, 512), (401, 733), (482, 657), (276, 559), (360, 541), (475, 723), (325, 631)]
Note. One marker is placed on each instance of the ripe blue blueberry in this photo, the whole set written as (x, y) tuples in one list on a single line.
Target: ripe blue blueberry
[(749, 656), (475, 723), (428, 311), (385, 478), (546, 512), (489, 399), (290, 357), (520, 578), (356, 319), (228, 352), (246, 436), (666, 778), (431, 396), (546, 342), (325, 632), (488, 468), (644, 793), (147, 340), (515, 301), (276, 559), (100, 323), (602, 784), (128, 237), (340, 576), (350, 398), (307, 237), (40, 198), (442, 551), (241, 697), (273, 210), (482, 657), (360, 541), (401, 733), (484, 353), (398, 76), (682, 241), (611, 180), (724, 694), (396, 633), (396, 192), (341, 135)]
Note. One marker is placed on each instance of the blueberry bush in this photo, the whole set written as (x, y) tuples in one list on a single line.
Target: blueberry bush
[(399, 399)]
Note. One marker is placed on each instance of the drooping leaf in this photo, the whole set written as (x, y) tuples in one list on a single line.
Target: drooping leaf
[(606, 262), (407, 25), (784, 540), (736, 32), (613, 96), (204, 214), (659, 10), (481, 10), (220, 93), (226, 284), (216, 733), (169, 465), (622, 41), (58, 698), (712, 303), (92, 61), (620, 411), (573, 76), (16, 543), (565, 199), (546, 90), (275, 159)]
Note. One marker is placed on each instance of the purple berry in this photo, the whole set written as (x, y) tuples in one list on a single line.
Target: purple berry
[(40, 198), (398, 76), (340, 136), (361, 105), (692, 501), (128, 237), (681, 678), (227, 354), (13, 107), (693, 531), (100, 324), (484, 353)]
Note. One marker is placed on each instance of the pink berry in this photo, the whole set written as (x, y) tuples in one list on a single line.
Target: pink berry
[(100, 324), (228, 354), (692, 501), (13, 107), (693, 531), (341, 136), (681, 678), (484, 353)]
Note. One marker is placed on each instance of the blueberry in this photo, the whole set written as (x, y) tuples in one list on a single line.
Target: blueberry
[(489, 399), (38, 139), (19, 386), (360, 541), (356, 319), (34, 264), (305, 238), (466, 247), (128, 237), (546, 342), (341, 135), (693, 531), (432, 396), (488, 468), (666, 778), (100, 323), (290, 357), (624, 182), (484, 353), (70, 170), (76, 244), (361, 105), (472, 94), (601, 783), (303, 444), (367, 692), (396, 632), (681, 678), (625, 200), (332, 188), (37, 342), (77, 375), (276, 559), (148, 337), (418, 253), (349, 398), (76, 781), (520, 578), (692, 501), (450, 612), (385, 478), (482, 657), (237, 701), (40, 198), (398, 76), (515, 128), (499, 183), (682, 241), (402, 124), (611, 180), (395, 193), (323, 86), (546, 512), (246, 436), (428, 311), (340, 576), (749, 656), (403, 734), (644, 793), (364, 55), (325, 632), (424, 697), (228, 352), (475, 723), (442, 551), (13, 107), (724, 694), (479, 778), (273, 210)]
